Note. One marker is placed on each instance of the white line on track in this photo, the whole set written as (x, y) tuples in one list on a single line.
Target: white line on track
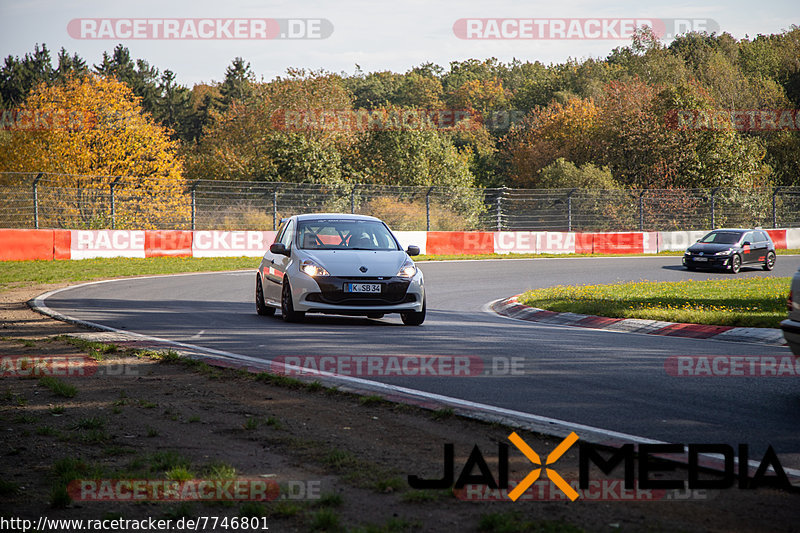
[(480, 411)]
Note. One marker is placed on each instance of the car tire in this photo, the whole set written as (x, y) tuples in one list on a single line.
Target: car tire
[(261, 306), (769, 263), (736, 264), (413, 318), (287, 305)]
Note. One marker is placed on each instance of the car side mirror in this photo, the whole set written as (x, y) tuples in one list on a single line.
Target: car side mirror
[(746, 243), (278, 248), (412, 250)]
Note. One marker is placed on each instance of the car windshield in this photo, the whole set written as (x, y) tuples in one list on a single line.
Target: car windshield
[(344, 235), (722, 237)]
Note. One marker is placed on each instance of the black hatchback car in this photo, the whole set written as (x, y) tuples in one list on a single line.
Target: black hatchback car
[(730, 249)]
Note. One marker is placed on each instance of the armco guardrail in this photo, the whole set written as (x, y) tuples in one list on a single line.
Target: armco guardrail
[(50, 244)]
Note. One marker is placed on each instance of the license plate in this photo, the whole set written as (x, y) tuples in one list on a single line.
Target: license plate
[(701, 258), (363, 287)]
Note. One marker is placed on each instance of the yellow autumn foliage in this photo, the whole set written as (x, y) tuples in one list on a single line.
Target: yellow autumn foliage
[(105, 135)]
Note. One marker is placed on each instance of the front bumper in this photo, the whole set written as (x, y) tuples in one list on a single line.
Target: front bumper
[(326, 295), (791, 332), (707, 261)]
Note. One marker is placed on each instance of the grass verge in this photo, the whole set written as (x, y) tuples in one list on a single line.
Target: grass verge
[(18, 272), (750, 302)]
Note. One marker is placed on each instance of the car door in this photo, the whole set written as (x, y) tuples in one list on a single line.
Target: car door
[(276, 267), (748, 241), (760, 247)]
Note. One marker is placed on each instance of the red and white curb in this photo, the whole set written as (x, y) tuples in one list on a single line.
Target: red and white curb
[(510, 307)]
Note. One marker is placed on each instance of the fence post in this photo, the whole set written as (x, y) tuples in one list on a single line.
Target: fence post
[(714, 208), (774, 207), (36, 200), (194, 203), (113, 206), (275, 209), (353, 200), (641, 209), (428, 209), (500, 209), (569, 209)]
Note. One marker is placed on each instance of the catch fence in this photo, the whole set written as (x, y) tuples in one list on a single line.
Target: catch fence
[(46, 200)]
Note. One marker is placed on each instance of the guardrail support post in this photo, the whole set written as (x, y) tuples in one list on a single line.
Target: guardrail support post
[(500, 209), (275, 209), (775, 207), (36, 200), (353, 200), (641, 209), (194, 203), (714, 208), (428, 209), (569, 209), (113, 206)]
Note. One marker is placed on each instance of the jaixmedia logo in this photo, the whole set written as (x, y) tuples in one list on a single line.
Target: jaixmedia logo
[(651, 460)]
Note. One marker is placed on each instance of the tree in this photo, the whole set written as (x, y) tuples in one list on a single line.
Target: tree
[(114, 138), (563, 174), (138, 75), (238, 83), (548, 133), (252, 140), (19, 76)]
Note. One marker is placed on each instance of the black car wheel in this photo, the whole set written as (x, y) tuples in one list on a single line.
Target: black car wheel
[(287, 306), (736, 264), (769, 263), (261, 307), (413, 318)]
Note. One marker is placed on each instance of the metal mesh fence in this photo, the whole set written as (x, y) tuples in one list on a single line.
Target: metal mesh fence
[(44, 200)]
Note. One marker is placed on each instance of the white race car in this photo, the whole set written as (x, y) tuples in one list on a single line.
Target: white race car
[(791, 326), (339, 264)]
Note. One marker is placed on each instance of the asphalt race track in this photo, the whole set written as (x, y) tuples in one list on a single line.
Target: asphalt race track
[(609, 380)]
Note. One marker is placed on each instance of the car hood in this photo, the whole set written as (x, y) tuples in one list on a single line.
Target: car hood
[(709, 247), (348, 262)]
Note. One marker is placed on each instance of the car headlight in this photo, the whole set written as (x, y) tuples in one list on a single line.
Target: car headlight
[(312, 268), (723, 252), (408, 270)]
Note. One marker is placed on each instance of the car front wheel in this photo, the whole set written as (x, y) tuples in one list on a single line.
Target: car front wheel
[(261, 307), (769, 263), (287, 305), (736, 264), (413, 318)]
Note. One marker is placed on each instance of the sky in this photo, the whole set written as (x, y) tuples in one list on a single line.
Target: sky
[(375, 35)]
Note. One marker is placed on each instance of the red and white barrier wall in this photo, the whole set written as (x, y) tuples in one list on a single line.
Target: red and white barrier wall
[(49, 244)]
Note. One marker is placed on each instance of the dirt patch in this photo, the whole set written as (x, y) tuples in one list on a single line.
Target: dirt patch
[(340, 460)]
